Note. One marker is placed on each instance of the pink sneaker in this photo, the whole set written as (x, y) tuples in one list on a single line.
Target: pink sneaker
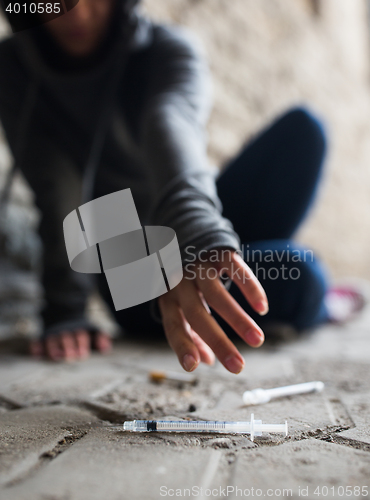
[(343, 303)]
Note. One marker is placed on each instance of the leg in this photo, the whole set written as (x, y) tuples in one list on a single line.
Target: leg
[(267, 190)]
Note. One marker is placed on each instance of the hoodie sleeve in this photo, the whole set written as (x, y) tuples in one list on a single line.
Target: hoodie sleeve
[(65, 291), (173, 141)]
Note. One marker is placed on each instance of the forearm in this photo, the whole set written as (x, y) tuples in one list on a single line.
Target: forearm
[(173, 142)]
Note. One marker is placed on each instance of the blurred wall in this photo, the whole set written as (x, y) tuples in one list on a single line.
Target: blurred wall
[(268, 55)]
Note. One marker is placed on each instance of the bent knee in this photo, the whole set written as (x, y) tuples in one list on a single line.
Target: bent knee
[(308, 127)]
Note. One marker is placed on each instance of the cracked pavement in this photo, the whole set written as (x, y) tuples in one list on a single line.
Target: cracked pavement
[(58, 439)]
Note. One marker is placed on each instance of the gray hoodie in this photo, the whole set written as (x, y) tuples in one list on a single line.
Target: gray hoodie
[(153, 140)]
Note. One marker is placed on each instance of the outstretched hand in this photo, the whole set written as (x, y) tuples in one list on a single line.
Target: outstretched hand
[(191, 330)]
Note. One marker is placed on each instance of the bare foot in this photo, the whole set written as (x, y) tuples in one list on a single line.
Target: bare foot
[(70, 346)]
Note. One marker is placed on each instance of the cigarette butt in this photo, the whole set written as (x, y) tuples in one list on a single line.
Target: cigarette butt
[(158, 377)]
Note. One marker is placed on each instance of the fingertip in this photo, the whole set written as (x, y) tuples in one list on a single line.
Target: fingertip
[(209, 357), (235, 364), (254, 338), (207, 360), (260, 342), (189, 363), (262, 307), (211, 360)]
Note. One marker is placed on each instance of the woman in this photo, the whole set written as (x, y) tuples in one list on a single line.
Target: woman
[(101, 99)]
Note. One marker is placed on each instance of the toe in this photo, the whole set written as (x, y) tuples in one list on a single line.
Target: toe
[(103, 342)]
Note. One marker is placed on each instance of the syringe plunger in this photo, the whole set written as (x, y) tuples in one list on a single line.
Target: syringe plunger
[(260, 396)]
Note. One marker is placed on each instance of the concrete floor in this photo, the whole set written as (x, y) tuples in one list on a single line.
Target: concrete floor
[(58, 441)]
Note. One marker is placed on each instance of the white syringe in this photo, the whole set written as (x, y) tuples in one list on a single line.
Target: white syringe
[(254, 427), (260, 396)]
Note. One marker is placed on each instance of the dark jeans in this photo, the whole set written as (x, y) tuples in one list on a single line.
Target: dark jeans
[(266, 192)]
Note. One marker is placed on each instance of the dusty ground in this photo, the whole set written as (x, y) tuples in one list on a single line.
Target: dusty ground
[(57, 440)]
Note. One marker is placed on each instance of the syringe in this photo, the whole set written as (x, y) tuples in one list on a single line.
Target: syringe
[(259, 396), (254, 427)]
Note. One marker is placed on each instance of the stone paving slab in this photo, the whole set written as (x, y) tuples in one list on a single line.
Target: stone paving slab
[(358, 406), (40, 382), (219, 397), (30, 382), (45, 456), (114, 465), (14, 368), (305, 464), (29, 433), (349, 342), (339, 376)]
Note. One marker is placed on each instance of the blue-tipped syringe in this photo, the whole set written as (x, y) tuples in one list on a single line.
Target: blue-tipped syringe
[(254, 427)]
